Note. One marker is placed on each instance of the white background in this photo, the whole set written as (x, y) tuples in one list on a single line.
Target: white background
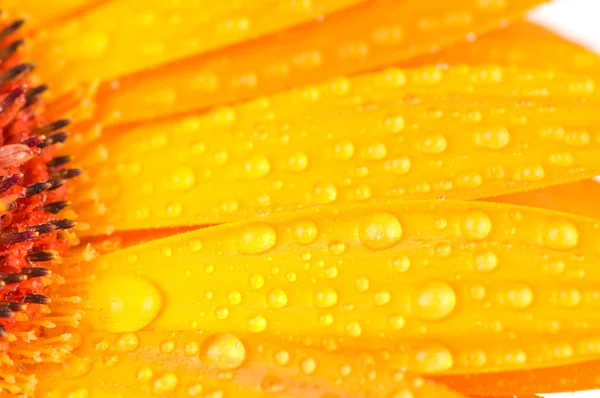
[(578, 21)]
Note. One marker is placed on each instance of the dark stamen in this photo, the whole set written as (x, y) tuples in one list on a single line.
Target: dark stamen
[(65, 174), (14, 72), (41, 256), (12, 278), (54, 139), (34, 141), (10, 181), (37, 188), (56, 207), (43, 228), (3, 333), (9, 238), (63, 224), (11, 98), (59, 161), (12, 28), (9, 50), (57, 125), (33, 94), (13, 305), (56, 183), (36, 272), (6, 312), (36, 299)]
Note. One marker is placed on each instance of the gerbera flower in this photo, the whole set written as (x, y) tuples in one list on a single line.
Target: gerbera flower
[(296, 198)]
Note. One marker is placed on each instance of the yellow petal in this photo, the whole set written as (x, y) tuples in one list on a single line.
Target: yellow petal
[(120, 37), (416, 134), (38, 13), (362, 37), (185, 364), (521, 44), (443, 286)]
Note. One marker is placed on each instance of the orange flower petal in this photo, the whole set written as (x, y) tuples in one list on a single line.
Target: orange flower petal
[(38, 13), (576, 377), (579, 198), (521, 44), (424, 133), (121, 37), (194, 364), (368, 35), (443, 286)]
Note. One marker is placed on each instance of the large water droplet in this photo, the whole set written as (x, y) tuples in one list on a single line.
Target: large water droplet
[(124, 303)]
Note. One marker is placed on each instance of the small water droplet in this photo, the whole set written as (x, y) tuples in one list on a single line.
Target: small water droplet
[(476, 225), (256, 166), (256, 281), (126, 342), (304, 232), (277, 298), (257, 324)]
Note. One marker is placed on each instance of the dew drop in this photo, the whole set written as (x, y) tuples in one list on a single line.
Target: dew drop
[(255, 239), (304, 232), (282, 357), (492, 138), (325, 298), (560, 234), (401, 264), (127, 342), (256, 281), (353, 329), (234, 297), (382, 297), (434, 144), (343, 150), (166, 383), (123, 303), (325, 192), (393, 124), (257, 324), (380, 231), (362, 284), (145, 374), (435, 300), (398, 166), (223, 352), (519, 296), (308, 365), (486, 261), (298, 162), (431, 358), (256, 166), (476, 225), (277, 298), (183, 179), (336, 248), (396, 321)]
